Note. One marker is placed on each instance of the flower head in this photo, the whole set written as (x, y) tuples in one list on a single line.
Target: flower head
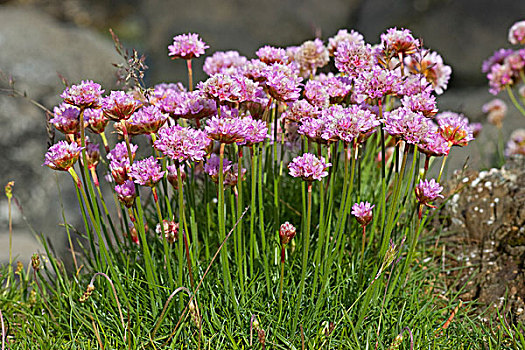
[(230, 88), (287, 232), (66, 118), (496, 110), (146, 172), (434, 144), (497, 58), (255, 131), (270, 55), (377, 82), (301, 109), (126, 193), (516, 143), (119, 105), (308, 167), (352, 58), (92, 154), (173, 176), (87, 94), (316, 93), (96, 120), (399, 42), (146, 120), (223, 62), (455, 128), (424, 102), (430, 64), (182, 143), (500, 76), (170, 228), (428, 191), (62, 155), (517, 33), (310, 56), (283, 82), (226, 129), (343, 36), (211, 167), (363, 212), (407, 125), (187, 46), (194, 105)]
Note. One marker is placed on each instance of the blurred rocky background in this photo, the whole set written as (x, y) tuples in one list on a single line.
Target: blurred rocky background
[(40, 38)]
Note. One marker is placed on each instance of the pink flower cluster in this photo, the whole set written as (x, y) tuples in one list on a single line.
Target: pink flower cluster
[(309, 167), (187, 46)]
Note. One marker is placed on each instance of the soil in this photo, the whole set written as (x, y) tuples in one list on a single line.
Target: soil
[(484, 221)]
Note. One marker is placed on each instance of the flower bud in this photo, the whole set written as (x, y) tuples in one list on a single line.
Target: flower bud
[(287, 232)]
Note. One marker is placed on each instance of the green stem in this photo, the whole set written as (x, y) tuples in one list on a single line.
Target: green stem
[(281, 282), (514, 101), (442, 167), (306, 244), (240, 245), (253, 209), (167, 255), (261, 226)]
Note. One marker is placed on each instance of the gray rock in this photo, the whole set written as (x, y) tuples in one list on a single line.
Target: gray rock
[(33, 48)]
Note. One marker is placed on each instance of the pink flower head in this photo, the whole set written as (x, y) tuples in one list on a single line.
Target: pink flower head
[(424, 102), (496, 109), (308, 167), (194, 105), (146, 120), (119, 105), (87, 94), (500, 76), (287, 232), (414, 84), (430, 64), (66, 118), (211, 167), (270, 55), (283, 82), (343, 36), (399, 42), (170, 228), (226, 129), (146, 172), (476, 129), (316, 93), (62, 155), (337, 87), (126, 193), (319, 130), (517, 33), (407, 125), (223, 62), (497, 58), (310, 56), (230, 88), (363, 212), (187, 46), (352, 58), (376, 83), (301, 109), (232, 176), (92, 154), (182, 143), (434, 144), (96, 120), (428, 191), (255, 70), (354, 122), (255, 131), (516, 143), (455, 128)]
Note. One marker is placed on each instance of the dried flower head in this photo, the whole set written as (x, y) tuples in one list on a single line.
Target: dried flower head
[(516, 143), (496, 109), (171, 230), (310, 56)]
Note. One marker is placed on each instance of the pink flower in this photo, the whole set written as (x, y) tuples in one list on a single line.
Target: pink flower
[(363, 212), (146, 120), (230, 88), (223, 62), (270, 55), (171, 230), (182, 143), (308, 167), (226, 129), (434, 144), (310, 56), (62, 155), (424, 102), (255, 131), (500, 76), (283, 82), (119, 105), (496, 109), (431, 65), (287, 232), (399, 41), (352, 58), (516, 143), (96, 120), (87, 94), (146, 172), (427, 191), (376, 83), (517, 33), (126, 193), (343, 36), (455, 128), (407, 125), (66, 118), (301, 109), (497, 58), (187, 46)]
